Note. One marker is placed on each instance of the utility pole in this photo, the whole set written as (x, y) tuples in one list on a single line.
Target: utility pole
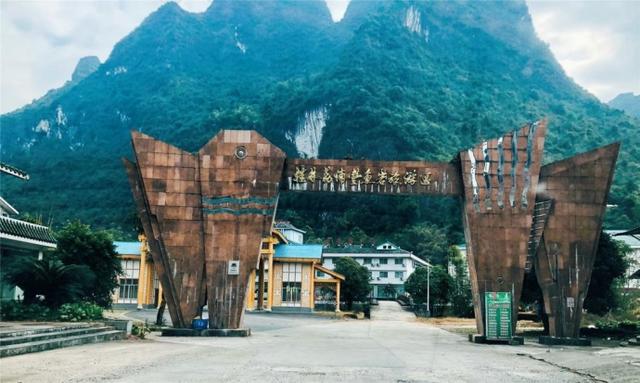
[(428, 290)]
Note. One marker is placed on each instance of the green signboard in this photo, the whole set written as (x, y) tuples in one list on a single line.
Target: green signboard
[(497, 315)]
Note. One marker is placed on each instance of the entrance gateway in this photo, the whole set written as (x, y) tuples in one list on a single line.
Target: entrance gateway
[(205, 213)]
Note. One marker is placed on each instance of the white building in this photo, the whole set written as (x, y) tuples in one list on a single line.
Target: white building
[(389, 265), (632, 239), (290, 232)]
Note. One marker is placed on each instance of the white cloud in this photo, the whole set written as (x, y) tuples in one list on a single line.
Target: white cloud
[(41, 41), (598, 43)]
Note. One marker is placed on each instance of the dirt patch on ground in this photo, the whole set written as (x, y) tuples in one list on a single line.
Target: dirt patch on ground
[(468, 325), (449, 321)]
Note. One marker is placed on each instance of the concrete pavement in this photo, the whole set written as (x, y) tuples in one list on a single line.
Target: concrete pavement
[(392, 347)]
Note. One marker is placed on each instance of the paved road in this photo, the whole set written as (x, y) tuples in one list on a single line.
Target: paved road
[(391, 347), (391, 311)]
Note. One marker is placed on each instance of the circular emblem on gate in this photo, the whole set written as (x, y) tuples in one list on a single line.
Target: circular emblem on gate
[(241, 152)]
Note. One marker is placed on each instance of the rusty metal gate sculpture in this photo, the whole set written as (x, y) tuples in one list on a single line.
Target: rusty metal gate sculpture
[(205, 213)]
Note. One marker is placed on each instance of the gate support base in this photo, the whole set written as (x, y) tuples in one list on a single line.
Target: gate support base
[(555, 341), (230, 332), (223, 332), (513, 341)]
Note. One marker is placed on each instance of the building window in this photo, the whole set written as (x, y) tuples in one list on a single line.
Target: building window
[(399, 261), (384, 274), (265, 245), (367, 261), (383, 261), (291, 284), (399, 275), (128, 292)]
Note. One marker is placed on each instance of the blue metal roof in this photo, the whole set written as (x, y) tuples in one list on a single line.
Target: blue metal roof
[(298, 251), (128, 248)]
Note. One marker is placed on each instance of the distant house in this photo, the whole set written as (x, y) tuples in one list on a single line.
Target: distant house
[(294, 279), (19, 239), (389, 266), (632, 239), (292, 233), (139, 286)]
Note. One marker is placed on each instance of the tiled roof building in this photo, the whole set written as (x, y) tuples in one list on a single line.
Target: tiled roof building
[(15, 230), (19, 239)]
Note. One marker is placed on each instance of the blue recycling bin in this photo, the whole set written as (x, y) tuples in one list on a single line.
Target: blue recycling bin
[(199, 324)]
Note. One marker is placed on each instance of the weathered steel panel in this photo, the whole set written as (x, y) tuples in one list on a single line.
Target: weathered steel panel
[(201, 211), (240, 183), (500, 177), (578, 187), (153, 239), (167, 183)]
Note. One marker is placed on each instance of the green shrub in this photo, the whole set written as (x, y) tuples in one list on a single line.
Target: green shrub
[(69, 312), (140, 330), (607, 324), (614, 325), (74, 312), (629, 325), (17, 311)]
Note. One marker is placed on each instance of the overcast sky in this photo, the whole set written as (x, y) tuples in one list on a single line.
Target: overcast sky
[(597, 42)]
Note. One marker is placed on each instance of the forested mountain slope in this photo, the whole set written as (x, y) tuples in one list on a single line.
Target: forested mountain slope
[(392, 80)]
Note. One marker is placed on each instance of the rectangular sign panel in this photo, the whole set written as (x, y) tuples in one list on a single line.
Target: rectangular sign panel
[(233, 268), (498, 315), (375, 177)]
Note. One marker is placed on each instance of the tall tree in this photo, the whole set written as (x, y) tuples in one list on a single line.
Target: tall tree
[(610, 266), (428, 242), (78, 244), (440, 283), (461, 299), (355, 287)]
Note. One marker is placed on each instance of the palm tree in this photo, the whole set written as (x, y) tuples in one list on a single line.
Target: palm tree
[(57, 282)]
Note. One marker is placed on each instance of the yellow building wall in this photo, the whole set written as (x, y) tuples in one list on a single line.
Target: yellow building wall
[(146, 276), (307, 280), (266, 252), (277, 285), (251, 291), (306, 285), (146, 292)]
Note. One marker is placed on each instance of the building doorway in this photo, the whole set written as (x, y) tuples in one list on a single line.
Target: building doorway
[(291, 284)]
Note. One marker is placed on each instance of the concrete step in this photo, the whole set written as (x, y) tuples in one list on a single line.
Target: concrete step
[(50, 344), (291, 310), (47, 335), (47, 329)]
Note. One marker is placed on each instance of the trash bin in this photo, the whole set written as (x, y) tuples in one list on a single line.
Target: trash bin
[(200, 324)]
